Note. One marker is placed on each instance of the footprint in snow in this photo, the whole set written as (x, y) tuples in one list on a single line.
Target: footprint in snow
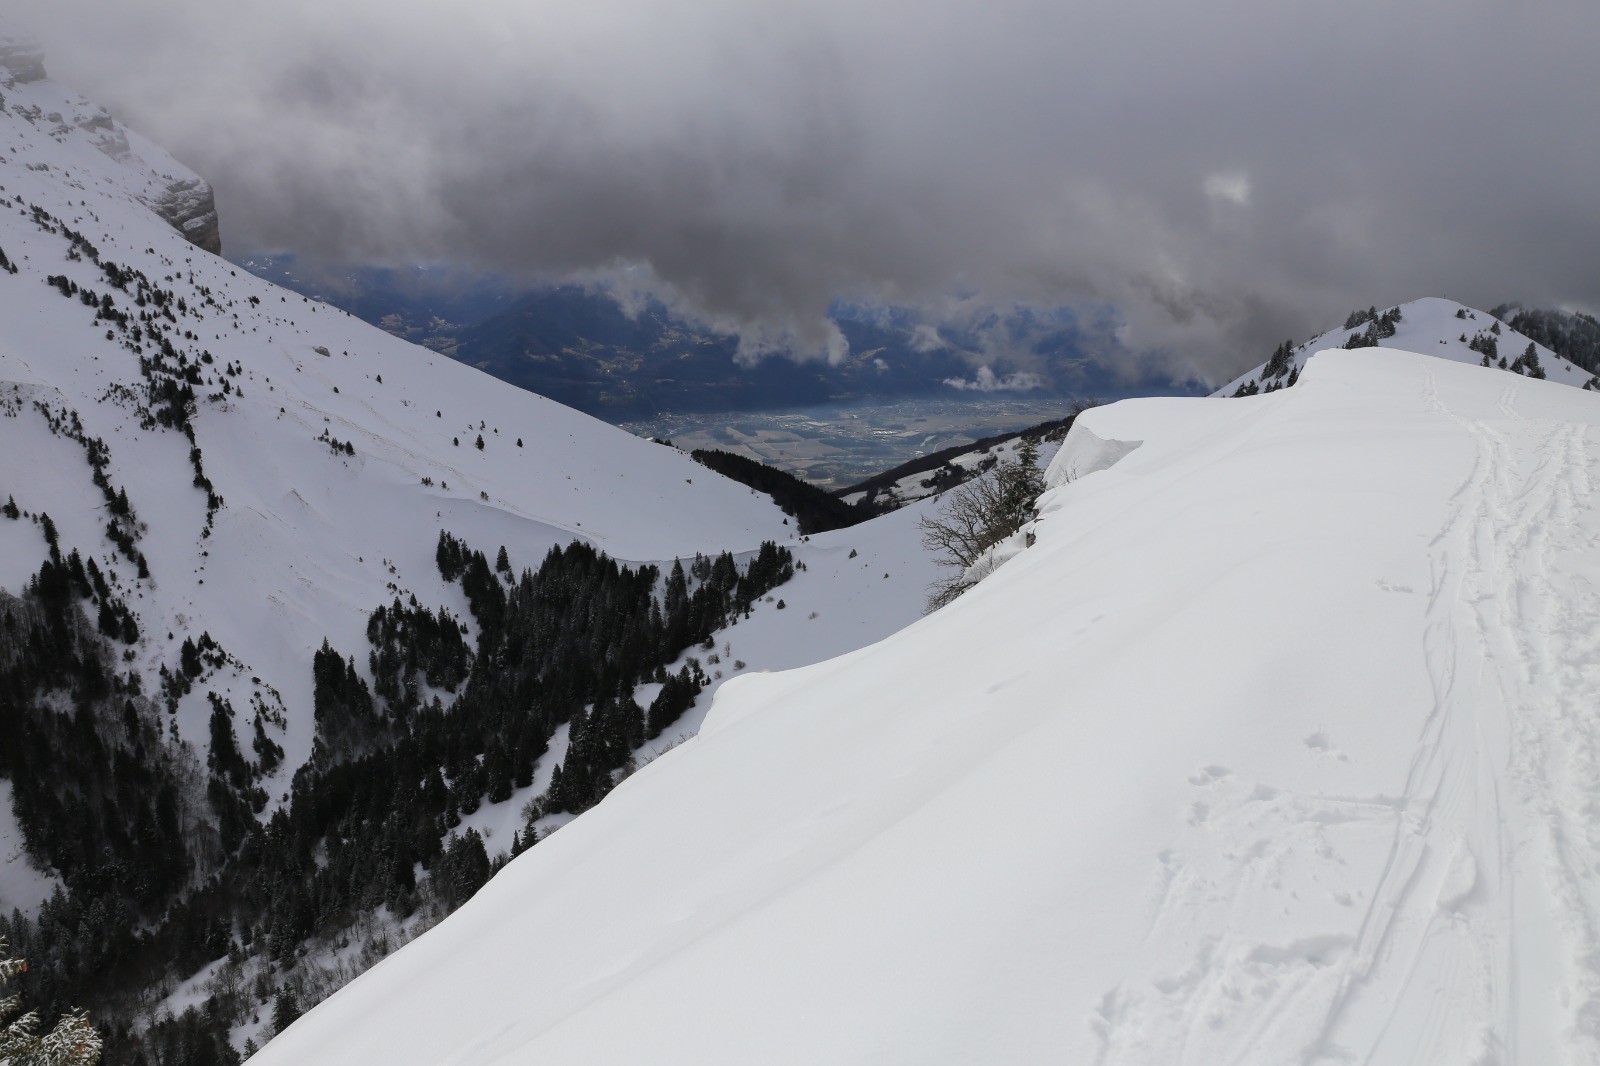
[(1207, 775), (1319, 743)]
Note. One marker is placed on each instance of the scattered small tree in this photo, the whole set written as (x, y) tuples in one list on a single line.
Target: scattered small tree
[(978, 515)]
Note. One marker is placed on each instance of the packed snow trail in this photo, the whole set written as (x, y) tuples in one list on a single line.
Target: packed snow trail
[(1430, 975), (1279, 746)]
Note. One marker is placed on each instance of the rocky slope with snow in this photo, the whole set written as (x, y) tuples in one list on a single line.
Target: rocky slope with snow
[(144, 172), (1279, 745)]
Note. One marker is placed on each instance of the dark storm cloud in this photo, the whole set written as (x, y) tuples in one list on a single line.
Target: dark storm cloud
[(1223, 174)]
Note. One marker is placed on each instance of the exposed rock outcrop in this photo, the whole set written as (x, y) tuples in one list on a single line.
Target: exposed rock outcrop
[(21, 61), (106, 135), (175, 193), (191, 209)]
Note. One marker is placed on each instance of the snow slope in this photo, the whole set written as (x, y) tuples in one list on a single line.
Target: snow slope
[(1280, 745), (1432, 326), (921, 485), (310, 538), (858, 586), (22, 886)]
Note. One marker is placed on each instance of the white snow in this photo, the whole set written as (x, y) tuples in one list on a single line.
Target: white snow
[(1279, 746), (22, 885)]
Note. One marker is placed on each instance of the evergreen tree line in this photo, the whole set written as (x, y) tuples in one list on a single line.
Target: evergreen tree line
[(148, 894), (814, 510), (1574, 337), (1526, 364), (1273, 374), (1281, 361), (108, 806), (1379, 327), (412, 645)]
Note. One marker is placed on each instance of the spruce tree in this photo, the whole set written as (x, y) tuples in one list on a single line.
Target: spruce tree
[(285, 1009)]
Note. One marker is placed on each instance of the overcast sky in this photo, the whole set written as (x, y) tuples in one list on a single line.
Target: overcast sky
[(1224, 174)]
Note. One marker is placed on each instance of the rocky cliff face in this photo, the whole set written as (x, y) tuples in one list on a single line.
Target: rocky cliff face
[(190, 208), (179, 196), (21, 61)]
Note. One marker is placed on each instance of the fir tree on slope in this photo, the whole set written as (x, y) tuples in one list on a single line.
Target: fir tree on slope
[(1282, 359), (73, 1041), (285, 1009)]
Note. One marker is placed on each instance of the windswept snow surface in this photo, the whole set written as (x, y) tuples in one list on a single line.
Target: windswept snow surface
[(1279, 746)]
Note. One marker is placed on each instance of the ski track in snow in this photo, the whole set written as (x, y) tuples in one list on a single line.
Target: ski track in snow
[(1428, 970)]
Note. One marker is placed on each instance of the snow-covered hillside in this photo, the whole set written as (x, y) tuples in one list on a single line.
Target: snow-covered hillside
[(338, 453), (1441, 328), (233, 475), (1280, 745), (858, 586), (926, 484)]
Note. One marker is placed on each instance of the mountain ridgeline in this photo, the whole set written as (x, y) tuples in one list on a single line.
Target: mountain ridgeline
[(1561, 347)]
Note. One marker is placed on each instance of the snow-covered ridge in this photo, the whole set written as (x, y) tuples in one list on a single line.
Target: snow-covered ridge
[(1278, 746), (1440, 328), (134, 166)]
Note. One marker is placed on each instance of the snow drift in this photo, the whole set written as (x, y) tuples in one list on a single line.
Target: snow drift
[(1278, 746)]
